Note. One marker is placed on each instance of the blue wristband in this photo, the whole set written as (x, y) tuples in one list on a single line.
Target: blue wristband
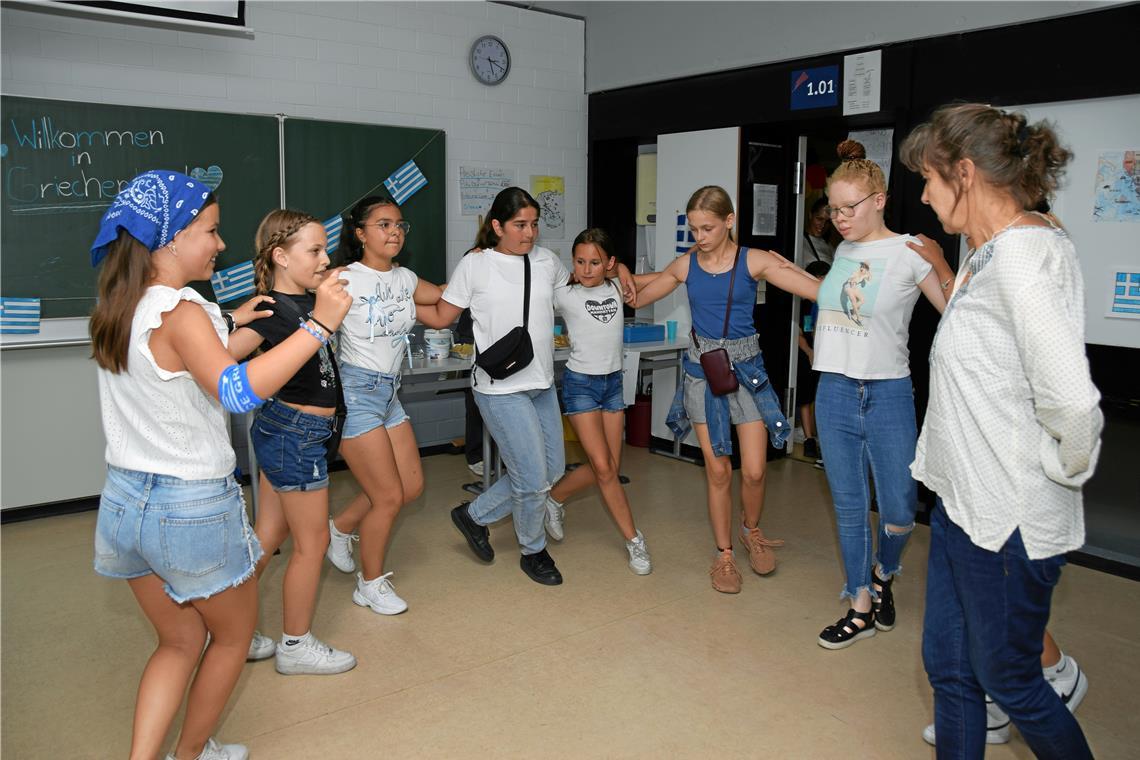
[(235, 391), (314, 332)]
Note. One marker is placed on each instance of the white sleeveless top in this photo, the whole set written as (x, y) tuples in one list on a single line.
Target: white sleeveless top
[(158, 421)]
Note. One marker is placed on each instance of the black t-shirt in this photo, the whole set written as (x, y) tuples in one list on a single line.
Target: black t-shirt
[(315, 383)]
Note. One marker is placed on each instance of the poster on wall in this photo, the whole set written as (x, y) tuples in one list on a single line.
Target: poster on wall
[(1125, 303), (1116, 197), (550, 192), (862, 82), (478, 186), (764, 209)]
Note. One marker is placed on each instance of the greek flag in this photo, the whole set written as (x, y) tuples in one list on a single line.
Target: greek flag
[(333, 227), (405, 181), (685, 239), (234, 282), (19, 316)]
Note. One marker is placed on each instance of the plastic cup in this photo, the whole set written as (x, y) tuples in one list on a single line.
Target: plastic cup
[(558, 329), (671, 330)]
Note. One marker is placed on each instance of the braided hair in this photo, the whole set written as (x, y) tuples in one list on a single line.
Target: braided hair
[(275, 231)]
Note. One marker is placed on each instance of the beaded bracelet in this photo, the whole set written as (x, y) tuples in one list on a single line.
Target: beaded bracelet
[(314, 332), (321, 325), (947, 283)]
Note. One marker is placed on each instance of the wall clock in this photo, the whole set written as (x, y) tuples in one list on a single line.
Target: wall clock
[(490, 60)]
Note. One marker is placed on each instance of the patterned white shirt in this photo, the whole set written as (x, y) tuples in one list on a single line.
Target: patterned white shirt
[(1013, 426)]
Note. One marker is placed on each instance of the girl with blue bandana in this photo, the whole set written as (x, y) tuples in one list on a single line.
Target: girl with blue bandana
[(172, 522), (290, 434)]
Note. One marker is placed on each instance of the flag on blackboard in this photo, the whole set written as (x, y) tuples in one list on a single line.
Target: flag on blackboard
[(333, 227), (685, 239), (19, 316), (405, 181), (234, 282)]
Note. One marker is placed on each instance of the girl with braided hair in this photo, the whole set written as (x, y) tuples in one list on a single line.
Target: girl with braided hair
[(289, 434)]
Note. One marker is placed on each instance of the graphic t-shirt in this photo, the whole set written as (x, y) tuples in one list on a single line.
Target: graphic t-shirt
[(383, 312), (490, 283), (315, 383), (595, 319), (865, 303)]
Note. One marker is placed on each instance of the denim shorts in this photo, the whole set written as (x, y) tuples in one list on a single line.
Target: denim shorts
[(193, 534), (592, 393), (290, 447), (371, 399)]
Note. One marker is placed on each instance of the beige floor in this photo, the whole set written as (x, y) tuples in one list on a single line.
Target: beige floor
[(487, 664)]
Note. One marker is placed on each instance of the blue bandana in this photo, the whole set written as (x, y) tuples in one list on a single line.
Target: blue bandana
[(153, 208)]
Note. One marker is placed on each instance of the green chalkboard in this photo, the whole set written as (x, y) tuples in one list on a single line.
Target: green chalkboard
[(63, 162), (329, 165)]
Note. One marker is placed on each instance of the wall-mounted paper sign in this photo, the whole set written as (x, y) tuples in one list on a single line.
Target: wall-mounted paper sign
[(815, 88), (862, 82), (764, 209)]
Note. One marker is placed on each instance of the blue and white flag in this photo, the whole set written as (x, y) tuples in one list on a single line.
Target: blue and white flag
[(19, 316), (685, 239), (234, 282), (405, 181), (333, 226)]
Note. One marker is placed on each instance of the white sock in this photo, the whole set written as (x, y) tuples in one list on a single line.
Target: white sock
[(1053, 671), (554, 501), (336, 532), (289, 642)]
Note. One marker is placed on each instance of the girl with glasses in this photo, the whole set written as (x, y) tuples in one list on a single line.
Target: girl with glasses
[(379, 443), (864, 401)]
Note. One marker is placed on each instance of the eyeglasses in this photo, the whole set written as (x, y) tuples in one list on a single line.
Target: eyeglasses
[(833, 211), (387, 225)]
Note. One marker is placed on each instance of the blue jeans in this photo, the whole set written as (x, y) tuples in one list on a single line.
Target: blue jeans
[(868, 426), (592, 393), (986, 614), (193, 534), (527, 426)]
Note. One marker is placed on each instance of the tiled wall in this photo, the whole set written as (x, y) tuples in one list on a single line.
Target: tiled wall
[(373, 62)]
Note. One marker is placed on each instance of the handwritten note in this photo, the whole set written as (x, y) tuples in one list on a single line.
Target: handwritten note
[(478, 186)]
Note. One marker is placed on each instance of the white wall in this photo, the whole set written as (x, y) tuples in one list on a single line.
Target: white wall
[(382, 63), (373, 62), (630, 43)]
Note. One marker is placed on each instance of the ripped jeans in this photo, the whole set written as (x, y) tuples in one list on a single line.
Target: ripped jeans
[(867, 428), (527, 427)]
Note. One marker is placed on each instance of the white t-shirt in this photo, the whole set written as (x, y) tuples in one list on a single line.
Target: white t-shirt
[(490, 283), (865, 303), (159, 421), (382, 313), (595, 319)]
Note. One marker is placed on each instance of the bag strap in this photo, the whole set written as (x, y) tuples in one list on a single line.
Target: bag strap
[(341, 406), (731, 285), (526, 290)]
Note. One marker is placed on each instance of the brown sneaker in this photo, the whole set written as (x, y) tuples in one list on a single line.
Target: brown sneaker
[(725, 577), (760, 554)]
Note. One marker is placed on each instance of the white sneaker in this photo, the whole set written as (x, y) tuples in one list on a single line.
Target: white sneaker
[(639, 561), (379, 594), (340, 549), (215, 751), (997, 726), (555, 513), (261, 648), (476, 468), (1071, 684), (311, 656)]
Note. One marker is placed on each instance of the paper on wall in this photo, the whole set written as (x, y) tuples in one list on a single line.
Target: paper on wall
[(764, 200), (878, 145), (478, 186), (862, 82), (550, 192)]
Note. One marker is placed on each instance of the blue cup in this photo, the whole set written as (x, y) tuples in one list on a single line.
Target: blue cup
[(671, 330)]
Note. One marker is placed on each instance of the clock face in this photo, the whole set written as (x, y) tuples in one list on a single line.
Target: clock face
[(490, 60)]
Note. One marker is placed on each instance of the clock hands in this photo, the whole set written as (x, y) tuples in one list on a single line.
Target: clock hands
[(495, 63)]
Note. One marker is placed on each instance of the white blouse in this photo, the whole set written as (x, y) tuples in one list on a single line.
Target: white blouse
[(158, 421), (1013, 426)]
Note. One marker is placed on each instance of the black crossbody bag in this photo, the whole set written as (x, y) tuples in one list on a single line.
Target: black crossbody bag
[(333, 443), (716, 364), (513, 351)]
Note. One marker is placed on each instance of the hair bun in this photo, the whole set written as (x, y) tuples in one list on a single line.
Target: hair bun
[(849, 150)]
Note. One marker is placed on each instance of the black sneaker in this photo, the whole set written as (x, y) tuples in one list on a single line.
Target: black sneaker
[(478, 537), (540, 567), (811, 448)]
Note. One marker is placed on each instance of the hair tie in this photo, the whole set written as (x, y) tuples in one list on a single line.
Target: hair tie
[(1022, 136)]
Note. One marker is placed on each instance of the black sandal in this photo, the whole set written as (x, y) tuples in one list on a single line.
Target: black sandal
[(884, 606), (846, 631)]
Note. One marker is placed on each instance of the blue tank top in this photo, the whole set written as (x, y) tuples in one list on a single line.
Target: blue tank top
[(708, 296)]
